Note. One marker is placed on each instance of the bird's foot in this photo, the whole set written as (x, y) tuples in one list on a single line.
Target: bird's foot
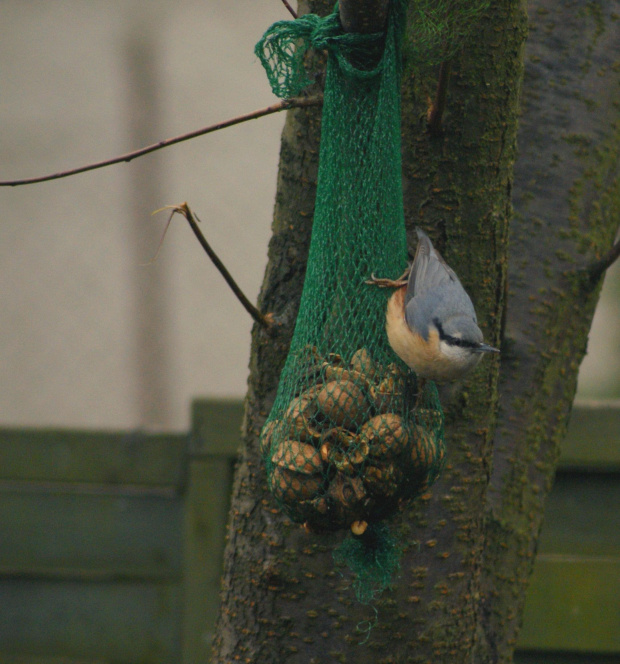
[(389, 283)]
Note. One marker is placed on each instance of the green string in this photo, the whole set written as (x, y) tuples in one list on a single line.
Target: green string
[(323, 466), (283, 47), (373, 558)]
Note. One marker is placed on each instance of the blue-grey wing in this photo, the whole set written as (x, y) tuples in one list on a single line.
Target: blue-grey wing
[(429, 270), (433, 291)]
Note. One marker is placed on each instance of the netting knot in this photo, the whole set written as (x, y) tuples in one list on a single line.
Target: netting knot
[(282, 48)]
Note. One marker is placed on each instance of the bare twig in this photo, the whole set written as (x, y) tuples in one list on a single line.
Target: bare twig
[(436, 109), (266, 320), (598, 269), (295, 102), (291, 10)]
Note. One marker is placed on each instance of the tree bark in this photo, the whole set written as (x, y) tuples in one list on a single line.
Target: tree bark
[(470, 541), (365, 16), (566, 214)]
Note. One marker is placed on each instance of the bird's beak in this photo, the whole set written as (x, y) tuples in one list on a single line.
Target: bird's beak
[(485, 348)]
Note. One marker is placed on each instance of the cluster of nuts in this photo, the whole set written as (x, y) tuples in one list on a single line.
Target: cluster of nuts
[(343, 453)]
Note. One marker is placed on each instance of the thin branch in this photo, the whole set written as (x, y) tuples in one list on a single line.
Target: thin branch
[(598, 269), (437, 107), (291, 10), (266, 320), (295, 102)]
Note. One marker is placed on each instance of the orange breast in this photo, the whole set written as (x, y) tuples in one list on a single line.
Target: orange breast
[(417, 353)]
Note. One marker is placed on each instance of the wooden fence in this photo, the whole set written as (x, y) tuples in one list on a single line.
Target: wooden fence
[(111, 544)]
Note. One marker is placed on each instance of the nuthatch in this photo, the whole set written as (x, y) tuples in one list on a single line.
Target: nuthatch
[(430, 322)]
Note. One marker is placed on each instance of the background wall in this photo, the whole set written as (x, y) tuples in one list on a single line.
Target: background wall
[(93, 331)]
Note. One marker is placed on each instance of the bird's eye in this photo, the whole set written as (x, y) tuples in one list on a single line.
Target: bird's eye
[(452, 340)]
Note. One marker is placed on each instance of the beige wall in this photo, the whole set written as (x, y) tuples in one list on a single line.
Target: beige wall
[(72, 348), (89, 335)]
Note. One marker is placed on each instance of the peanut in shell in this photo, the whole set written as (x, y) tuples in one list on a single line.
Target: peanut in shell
[(300, 414), (340, 374), (425, 451), (297, 456), (359, 527), (385, 435), (429, 418), (362, 362), (343, 402), (291, 487)]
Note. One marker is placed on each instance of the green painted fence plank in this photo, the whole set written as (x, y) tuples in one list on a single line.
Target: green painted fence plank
[(563, 658), (572, 613), (31, 659), (90, 535), (218, 422), (206, 513), (104, 458), (83, 515), (573, 605), (593, 436), (115, 622), (216, 427), (592, 441), (582, 515), (215, 442)]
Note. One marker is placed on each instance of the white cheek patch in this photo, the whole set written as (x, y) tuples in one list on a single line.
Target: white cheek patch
[(459, 355)]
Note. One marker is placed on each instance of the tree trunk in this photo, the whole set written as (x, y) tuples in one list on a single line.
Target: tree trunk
[(567, 208), (470, 541)]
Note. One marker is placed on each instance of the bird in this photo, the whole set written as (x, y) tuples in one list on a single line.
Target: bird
[(431, 323)]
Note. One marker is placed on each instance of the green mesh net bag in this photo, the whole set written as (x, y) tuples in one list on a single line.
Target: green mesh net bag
[(352, 433)]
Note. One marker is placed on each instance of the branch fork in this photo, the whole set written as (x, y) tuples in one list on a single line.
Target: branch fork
[(265, 320)]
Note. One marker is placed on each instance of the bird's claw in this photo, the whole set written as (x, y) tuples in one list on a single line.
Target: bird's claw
[(382, 282)]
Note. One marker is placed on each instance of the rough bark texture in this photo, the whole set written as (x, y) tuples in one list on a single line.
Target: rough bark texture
[(471, 540), (364, 16), (567, 210), (275, 574)]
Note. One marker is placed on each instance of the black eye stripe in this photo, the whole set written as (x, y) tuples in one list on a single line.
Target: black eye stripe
[(453, 341)]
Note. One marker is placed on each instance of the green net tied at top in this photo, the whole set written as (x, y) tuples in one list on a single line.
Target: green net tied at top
[(352, 433)]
